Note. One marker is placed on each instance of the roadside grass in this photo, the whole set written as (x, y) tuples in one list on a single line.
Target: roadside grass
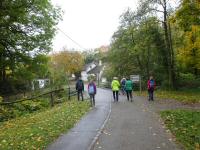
[(185, 125), (39, 129), (183, 96)]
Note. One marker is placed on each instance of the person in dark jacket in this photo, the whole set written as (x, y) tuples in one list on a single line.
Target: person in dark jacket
[(123, 82), (80, 88), (151, 85), (92, 90)]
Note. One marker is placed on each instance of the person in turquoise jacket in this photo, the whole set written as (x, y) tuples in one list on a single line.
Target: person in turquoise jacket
[(115, 85), (129, 89)]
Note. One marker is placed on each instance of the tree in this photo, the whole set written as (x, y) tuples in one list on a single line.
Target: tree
[(187, 17), (89, 56), (163, 7), (137, 47), (26, 28), (187, 14), (65, 63)]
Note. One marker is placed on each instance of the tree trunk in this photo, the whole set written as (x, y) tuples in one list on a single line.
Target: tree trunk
[(167, 40), (172, 57), (148, 61)]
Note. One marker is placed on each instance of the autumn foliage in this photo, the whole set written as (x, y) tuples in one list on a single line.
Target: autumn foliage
[(65, 63)]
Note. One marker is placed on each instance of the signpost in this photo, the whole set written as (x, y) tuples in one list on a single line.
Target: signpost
[(136, 79)]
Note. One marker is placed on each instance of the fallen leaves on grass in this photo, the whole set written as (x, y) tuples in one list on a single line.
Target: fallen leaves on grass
[(183, 96), (36, 131), (185, 125)]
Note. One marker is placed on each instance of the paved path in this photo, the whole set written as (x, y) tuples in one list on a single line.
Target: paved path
[(134, 126), (83, 135), (131, 126)]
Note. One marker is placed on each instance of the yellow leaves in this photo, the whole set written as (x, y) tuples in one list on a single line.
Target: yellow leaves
[(197, 146), (189, 53), (39, 139), (69, 61)]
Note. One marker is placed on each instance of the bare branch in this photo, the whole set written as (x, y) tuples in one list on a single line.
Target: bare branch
[(152, 9)]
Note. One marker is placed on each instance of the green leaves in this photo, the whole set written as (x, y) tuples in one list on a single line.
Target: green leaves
[(188, 14), (27, 30), (137, 46)]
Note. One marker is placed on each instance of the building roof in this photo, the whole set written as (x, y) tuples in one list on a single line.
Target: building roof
[(95, 70), (86, 66)]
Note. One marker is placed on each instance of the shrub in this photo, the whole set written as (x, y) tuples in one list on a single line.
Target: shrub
[(188, 80), (18, 109)]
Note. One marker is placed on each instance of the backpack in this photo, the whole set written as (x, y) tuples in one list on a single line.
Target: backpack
[(151, 83), (80, 85), (123, 82), (91, 89)]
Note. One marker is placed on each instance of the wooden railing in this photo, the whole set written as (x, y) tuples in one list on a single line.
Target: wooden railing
[(70, 92), (35, 97)]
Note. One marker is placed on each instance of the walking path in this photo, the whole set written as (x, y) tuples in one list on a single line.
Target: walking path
[(82, 136), (129, 126), (135, 126)]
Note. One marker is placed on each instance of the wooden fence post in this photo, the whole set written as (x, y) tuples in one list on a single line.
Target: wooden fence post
[(69, 93), (51, 100)]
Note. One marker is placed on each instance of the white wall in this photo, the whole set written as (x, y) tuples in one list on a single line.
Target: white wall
[(84, 76)]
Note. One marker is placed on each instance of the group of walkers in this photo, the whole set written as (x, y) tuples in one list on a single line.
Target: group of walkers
[(126, 85), (92, 90)]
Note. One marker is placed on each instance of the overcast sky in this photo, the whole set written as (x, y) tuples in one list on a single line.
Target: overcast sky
[(90, 23)]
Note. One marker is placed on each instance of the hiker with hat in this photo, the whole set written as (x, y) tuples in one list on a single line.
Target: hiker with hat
[(123, 83), (115, 85)]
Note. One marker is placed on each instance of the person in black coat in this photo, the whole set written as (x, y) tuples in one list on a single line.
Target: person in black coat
[(80, 88)]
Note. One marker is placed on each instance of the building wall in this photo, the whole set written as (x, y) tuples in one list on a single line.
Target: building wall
[(84, 76)]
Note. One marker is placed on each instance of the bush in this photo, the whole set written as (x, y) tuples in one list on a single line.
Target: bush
[(1, 99), (188, 80), (18, 109), (165, 85), (187, 77)]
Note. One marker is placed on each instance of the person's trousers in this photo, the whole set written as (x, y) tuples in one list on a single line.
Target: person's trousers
[(115, 95), (92, 99), (129, 95), (150, 91), (80, 92)]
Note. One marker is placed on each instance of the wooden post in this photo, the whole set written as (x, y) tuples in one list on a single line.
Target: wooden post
[(51, 100), (140, 84), (69, 93), (98, 79)]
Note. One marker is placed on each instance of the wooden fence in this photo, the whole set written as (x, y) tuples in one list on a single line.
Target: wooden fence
[(70, 92)]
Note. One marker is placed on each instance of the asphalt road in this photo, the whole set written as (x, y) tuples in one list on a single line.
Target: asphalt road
[(135, 126), (87, 130), (129, 126)]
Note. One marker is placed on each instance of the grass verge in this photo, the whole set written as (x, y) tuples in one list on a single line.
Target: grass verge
[(185, 125), (38, 130), (183, 96)]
